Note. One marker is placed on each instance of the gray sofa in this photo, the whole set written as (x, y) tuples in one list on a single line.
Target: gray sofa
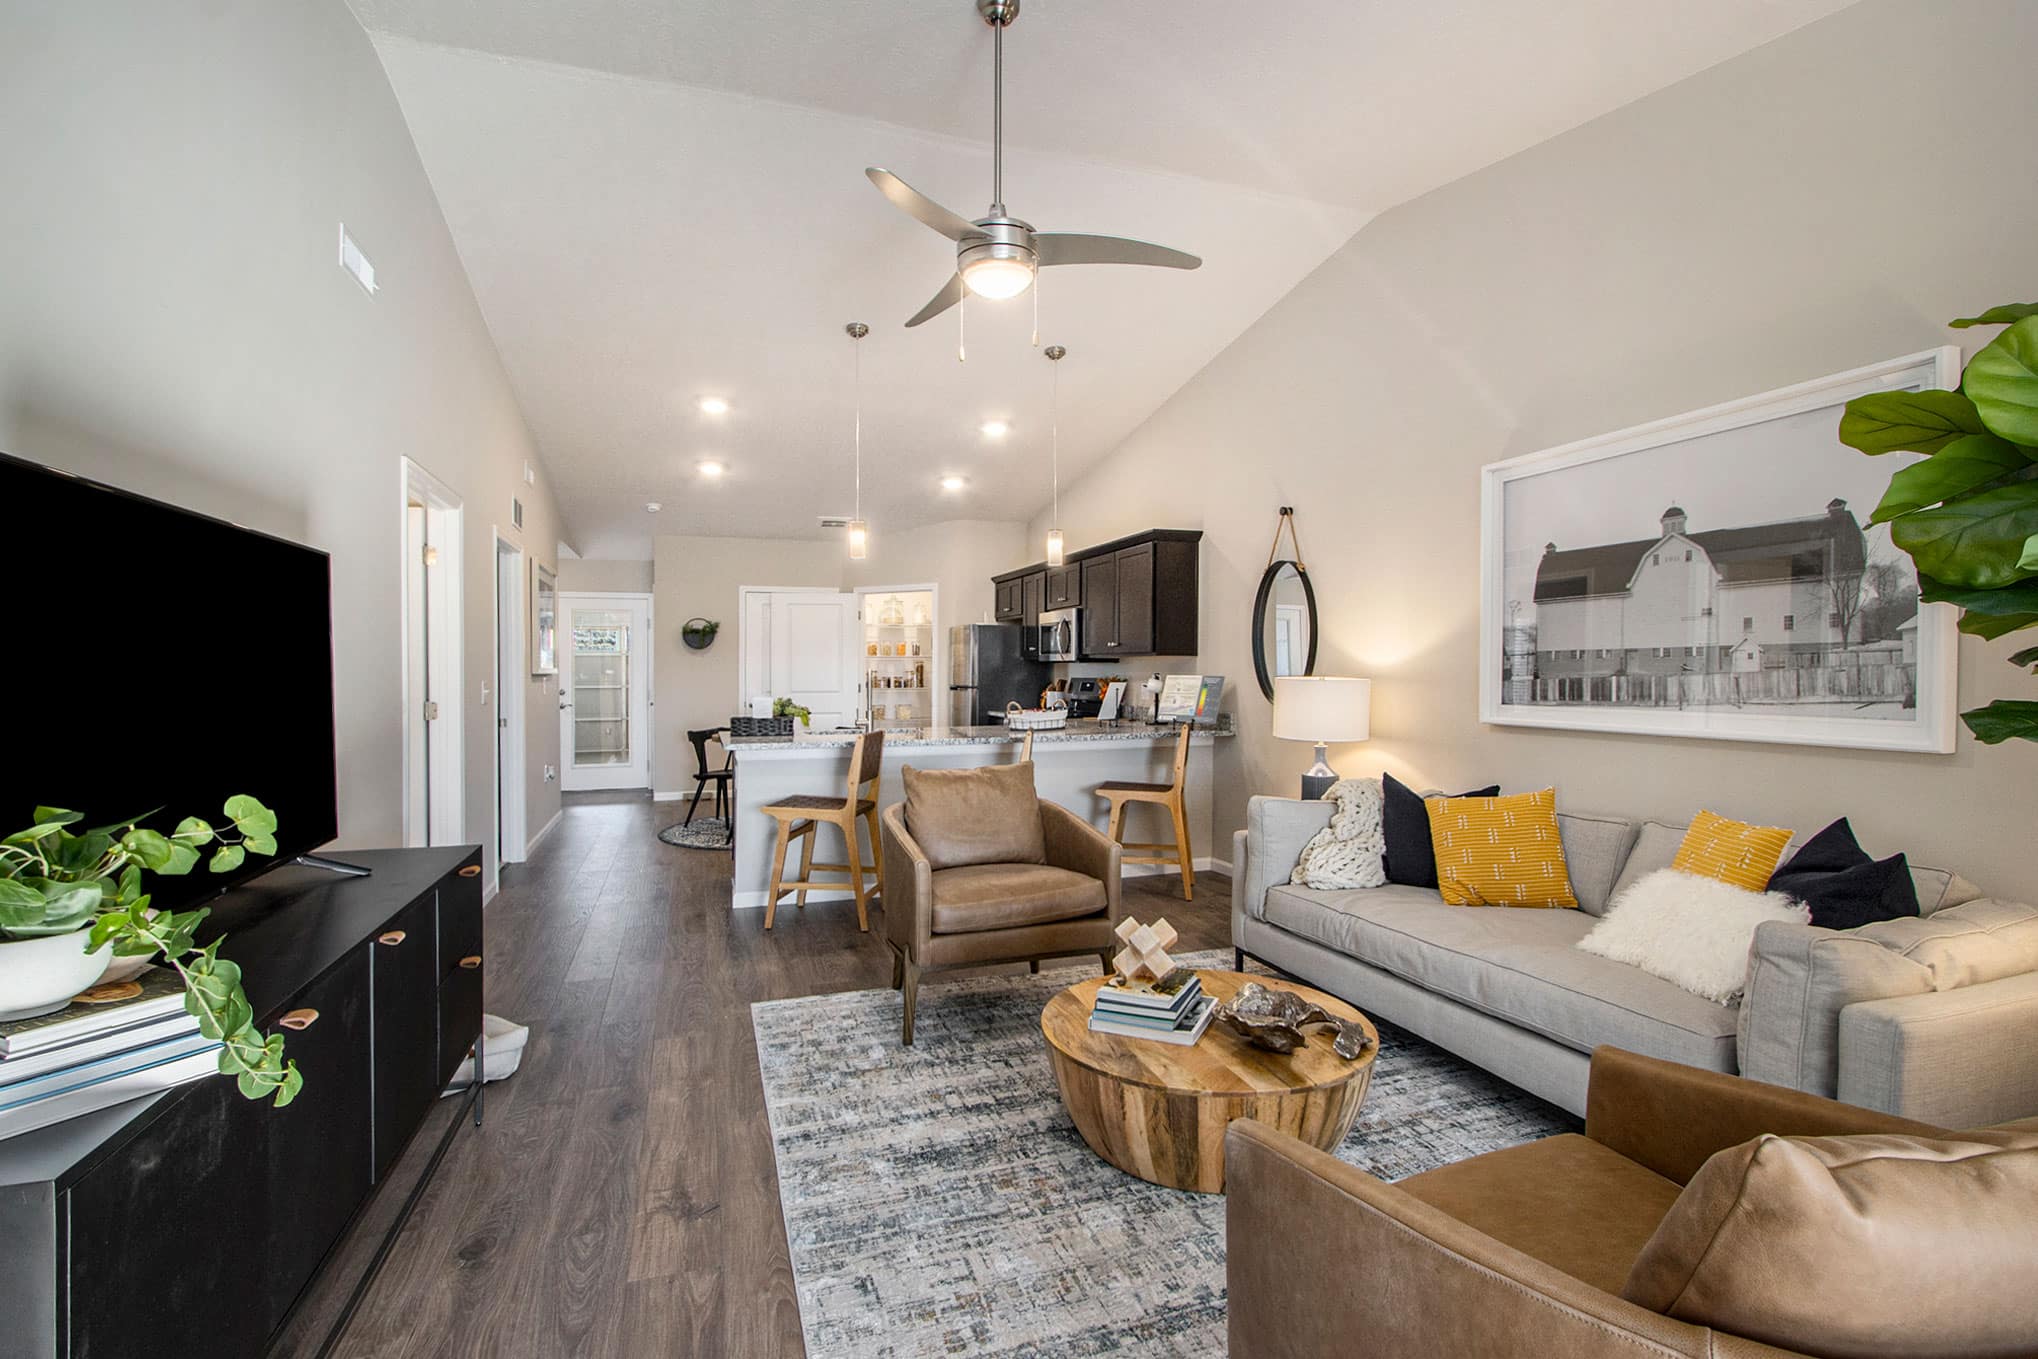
[(1931, 1018)]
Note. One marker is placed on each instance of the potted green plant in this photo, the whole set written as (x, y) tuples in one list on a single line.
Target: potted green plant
[(72, 900), (785, 707), (699, 633), (1968, 513)]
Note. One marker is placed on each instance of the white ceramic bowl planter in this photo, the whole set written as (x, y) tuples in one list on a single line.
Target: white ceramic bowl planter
[(41, 975)]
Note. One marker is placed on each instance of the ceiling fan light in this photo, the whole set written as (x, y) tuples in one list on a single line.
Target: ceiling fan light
[(998, 276), (1054, 547), (859, 540)]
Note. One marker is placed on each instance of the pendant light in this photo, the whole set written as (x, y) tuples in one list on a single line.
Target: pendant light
[(1055, 353), (859, 532)]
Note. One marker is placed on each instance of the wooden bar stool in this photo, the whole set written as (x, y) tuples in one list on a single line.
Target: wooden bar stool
[(800, 817), (1168, 795)]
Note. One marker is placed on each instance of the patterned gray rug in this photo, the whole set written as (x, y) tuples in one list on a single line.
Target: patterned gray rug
[(939, 1202), (703, 832)]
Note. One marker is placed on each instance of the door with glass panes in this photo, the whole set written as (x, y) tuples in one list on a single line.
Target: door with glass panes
[(604, 692)]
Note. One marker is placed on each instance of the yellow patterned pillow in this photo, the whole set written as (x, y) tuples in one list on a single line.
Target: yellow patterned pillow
[(1499, 851), (1731, 851)]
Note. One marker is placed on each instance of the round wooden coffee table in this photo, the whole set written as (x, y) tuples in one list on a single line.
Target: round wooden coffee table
[(1159, 1111)]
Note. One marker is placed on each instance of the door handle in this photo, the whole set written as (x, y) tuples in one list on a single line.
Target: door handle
[(470, 870), (297, 1021), (471, 961), (392, 938)]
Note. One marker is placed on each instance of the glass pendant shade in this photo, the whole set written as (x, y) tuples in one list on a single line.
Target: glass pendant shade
[(996, 278), (859, 540), (1054, 548)]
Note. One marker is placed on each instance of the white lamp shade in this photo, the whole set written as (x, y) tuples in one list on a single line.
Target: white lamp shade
[(1322, 708)]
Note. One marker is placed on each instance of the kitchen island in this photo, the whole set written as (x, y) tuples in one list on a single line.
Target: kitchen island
[(1068, 764)]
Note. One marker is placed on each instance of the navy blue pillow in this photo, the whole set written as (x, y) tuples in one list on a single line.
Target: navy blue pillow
[(1404, 821), (1846, 888)]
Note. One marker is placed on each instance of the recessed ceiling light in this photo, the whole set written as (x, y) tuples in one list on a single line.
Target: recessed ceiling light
[(713, 405), (653, 506), (709, 468), (953, 483), (995, 429)]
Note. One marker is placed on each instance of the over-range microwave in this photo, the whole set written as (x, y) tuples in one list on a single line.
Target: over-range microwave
[(1061, 633)]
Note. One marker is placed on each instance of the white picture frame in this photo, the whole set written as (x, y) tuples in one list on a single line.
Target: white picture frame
[(1574, 637)]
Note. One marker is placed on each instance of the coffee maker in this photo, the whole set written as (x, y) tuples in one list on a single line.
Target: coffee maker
[(1085, 696)]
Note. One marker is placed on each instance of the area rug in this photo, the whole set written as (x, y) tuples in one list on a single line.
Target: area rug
[(703, 832), (939, 1202)]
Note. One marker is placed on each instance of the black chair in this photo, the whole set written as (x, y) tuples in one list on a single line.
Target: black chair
[(724, 778)]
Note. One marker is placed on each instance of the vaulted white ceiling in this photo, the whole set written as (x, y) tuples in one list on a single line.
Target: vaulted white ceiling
[(657, 200)]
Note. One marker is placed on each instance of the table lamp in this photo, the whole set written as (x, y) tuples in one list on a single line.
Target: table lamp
[(1322, 709)]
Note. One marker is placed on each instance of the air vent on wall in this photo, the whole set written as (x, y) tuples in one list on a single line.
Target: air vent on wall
[(834, 521)]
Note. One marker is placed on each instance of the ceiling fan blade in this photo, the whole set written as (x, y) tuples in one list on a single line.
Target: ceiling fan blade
[(949, 295), (910, 200), (1064, 247)]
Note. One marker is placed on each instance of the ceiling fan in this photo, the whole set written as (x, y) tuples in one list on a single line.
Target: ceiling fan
[(997, 255)]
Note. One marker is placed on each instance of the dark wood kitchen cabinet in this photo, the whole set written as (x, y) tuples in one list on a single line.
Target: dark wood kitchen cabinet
[(1007, 602), (1065, 586), (1032, 600)]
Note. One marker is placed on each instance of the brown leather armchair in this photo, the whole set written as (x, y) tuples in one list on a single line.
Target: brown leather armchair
[(1527, 1251), (978, 870)]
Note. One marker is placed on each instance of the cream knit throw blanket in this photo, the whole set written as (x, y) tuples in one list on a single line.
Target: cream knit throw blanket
[(1352, 850)]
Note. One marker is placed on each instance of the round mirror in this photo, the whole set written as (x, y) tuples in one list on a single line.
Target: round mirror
[(1284, 625)]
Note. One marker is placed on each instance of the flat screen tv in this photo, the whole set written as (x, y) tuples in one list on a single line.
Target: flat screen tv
[(160, 659)]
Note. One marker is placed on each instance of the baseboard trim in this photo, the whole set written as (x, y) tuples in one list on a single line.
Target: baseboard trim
[(1214, 865), (532, 844), (681, 796), (1201, 863)]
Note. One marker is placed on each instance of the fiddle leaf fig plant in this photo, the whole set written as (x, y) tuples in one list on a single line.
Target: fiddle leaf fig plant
[(1968, 513), (57, 880)]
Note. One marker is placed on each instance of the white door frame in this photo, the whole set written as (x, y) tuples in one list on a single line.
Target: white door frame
[(512, 667), (445, 745), (646, 646), (937, 646)]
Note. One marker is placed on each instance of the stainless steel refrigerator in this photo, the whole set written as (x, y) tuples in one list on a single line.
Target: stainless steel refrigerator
[(986, 671)]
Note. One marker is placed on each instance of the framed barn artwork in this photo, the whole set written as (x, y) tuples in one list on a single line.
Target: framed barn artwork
[(1715, 575)]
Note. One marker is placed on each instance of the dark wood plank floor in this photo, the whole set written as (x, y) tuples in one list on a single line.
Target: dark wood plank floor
[(620, 1197)]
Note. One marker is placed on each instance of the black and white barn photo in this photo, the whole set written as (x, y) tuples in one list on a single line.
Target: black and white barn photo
[(1715, 575)]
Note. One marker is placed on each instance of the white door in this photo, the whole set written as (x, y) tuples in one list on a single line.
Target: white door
[(604, 691), (511, 668), (804, 645)]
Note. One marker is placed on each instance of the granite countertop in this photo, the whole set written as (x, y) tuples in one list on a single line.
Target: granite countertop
[(1084, 731)]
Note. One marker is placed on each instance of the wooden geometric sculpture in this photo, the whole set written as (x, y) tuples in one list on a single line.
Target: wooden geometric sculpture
[(1145, 955)]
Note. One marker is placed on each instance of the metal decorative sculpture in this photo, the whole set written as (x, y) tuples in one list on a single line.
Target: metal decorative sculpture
[(1274, 1019)]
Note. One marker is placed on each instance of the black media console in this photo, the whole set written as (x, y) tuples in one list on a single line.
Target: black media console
[(191, 1222)]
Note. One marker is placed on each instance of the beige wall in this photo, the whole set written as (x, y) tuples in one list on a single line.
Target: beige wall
[(604, 577), (172, 319), (1826, 201), (699, 577)]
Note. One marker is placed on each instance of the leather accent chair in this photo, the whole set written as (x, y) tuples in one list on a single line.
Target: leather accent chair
[(1529, 1250), (979, 870)]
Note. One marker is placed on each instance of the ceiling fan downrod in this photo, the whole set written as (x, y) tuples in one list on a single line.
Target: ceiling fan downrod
[(999, 14)]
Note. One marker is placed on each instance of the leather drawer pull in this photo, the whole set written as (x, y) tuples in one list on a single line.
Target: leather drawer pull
[(392, 938), (471, 871), (471, 961), (299, 1020)]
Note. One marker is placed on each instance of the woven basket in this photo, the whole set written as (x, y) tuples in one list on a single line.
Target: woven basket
[(761, 726)]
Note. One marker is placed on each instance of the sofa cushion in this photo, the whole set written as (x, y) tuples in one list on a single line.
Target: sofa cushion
[(980, 897), (1500, 851), (1843, 884), (1735, 852), (1980, 941), (1595, 847), (1567, 1201), (985, 815), (1655, 845), (1519, 966), (1800, 978), (1411, 859), (1866, 1246)]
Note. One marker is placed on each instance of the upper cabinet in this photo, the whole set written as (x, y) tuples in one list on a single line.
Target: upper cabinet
[(1032, 599), (1138, 594)]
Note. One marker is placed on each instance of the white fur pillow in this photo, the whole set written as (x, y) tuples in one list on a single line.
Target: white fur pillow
[(1352, 850), (1692, 932)]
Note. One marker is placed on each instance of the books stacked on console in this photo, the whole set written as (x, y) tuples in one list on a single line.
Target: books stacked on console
[(1171, 1010), (93, 1054)]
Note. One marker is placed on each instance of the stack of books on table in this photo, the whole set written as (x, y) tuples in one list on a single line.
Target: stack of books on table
[(1171, 1010), (92, 1054)]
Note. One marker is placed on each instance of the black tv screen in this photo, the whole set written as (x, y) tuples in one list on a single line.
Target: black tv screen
[(161, 659)]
